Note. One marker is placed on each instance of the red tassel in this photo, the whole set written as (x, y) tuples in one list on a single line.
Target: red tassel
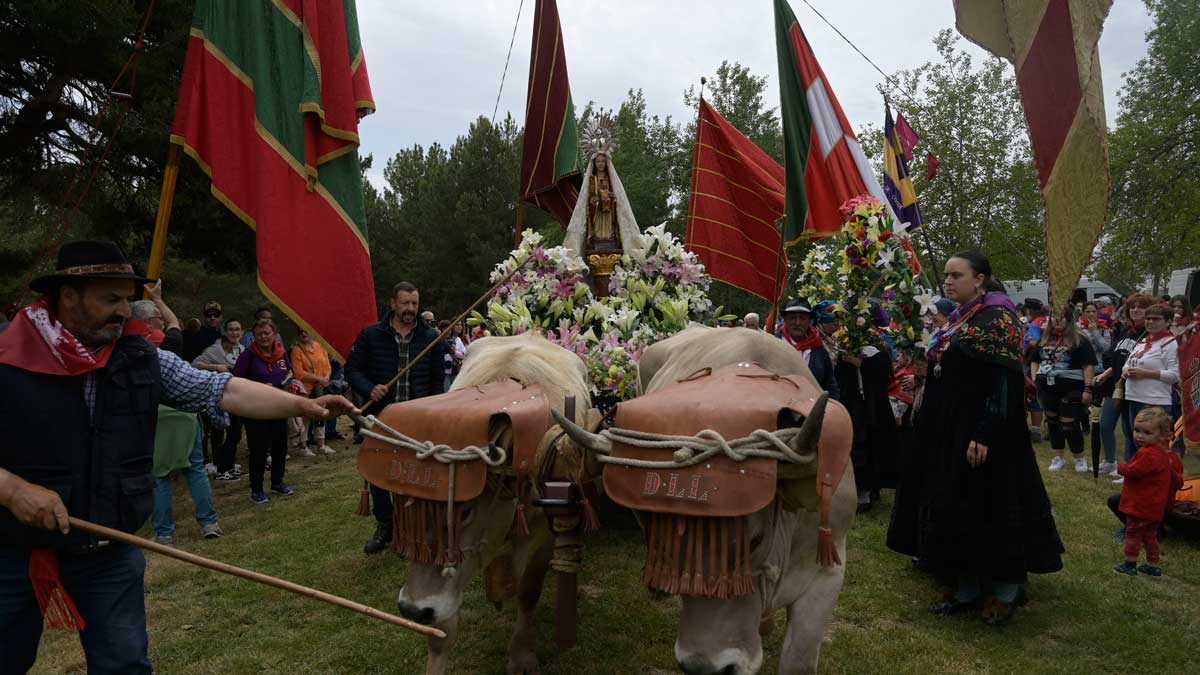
[(591, 522), (522, 523), (651, 551), (52, 597), (364, 501), (689, 554), (397, 527)]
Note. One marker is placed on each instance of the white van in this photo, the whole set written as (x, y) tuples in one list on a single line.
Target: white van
[(1185, 282), (1086, 290)]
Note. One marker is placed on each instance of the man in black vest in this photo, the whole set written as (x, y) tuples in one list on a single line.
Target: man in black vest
[(79, 391), (380, 351)]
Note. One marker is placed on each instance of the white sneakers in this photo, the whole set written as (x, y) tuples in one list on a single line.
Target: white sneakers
[(328, 451), (1106, 467), (1081, 465)]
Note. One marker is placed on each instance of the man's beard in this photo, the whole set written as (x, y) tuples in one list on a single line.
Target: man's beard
[(93, 333), (408, 317)]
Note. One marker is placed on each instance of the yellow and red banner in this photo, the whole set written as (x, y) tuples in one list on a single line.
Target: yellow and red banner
[(1053, 44), (269, 106)]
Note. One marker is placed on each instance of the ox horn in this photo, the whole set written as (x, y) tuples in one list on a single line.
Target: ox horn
[(810, 432), (582, 437)]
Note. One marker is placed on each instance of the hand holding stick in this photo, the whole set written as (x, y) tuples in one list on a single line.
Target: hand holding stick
[(441, 336)]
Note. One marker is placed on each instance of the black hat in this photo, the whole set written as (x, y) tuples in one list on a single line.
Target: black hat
[(87, 260), (796, 305)]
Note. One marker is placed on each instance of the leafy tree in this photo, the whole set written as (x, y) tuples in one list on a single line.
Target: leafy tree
[(985, 195), (1154, 152)]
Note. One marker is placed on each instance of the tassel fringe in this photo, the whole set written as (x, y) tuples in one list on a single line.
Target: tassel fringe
[(364, 501), (679, 547), (56, 604), (419, 531)]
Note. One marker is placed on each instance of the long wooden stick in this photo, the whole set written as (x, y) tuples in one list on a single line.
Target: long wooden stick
[(117, 535), (166, 198), (441, 336)]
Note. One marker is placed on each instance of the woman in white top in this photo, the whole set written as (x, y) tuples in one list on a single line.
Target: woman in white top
[(1152, 370)]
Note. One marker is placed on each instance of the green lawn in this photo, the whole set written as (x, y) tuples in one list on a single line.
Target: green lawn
[(1085, 619)]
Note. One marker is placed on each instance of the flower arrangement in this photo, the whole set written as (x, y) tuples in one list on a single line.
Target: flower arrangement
[(551, 287), (870, 256), (654, 292)]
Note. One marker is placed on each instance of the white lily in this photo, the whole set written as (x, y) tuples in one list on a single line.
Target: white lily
[(926, 301)]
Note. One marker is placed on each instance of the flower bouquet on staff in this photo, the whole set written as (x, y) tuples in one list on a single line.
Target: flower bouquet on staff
[(871, 254)]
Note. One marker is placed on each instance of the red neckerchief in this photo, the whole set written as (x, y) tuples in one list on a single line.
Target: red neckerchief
[(811, 340), (275, 355), (37, 342), (1149, 341)]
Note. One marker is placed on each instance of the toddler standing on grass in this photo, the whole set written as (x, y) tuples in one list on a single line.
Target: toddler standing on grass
[(1150, 482)]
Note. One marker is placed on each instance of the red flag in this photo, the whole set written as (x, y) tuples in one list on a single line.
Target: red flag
[(908, 137), (931, 165), (550, 157), (1189, 371), (737, 195), (269, 108)]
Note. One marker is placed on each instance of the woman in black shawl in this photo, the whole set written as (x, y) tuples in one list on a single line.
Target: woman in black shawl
[(971, 503)]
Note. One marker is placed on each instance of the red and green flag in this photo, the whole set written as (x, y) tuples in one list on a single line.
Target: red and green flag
[(269, 106), (550, 157), (825, 164)]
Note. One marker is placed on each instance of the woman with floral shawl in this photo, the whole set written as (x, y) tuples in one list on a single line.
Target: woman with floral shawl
[(971, 504)]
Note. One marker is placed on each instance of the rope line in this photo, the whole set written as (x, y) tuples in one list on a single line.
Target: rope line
[(692, 450), (503, 75), (430, 450)]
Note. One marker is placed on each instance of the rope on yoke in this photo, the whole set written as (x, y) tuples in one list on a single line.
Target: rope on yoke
[(692, 450), (430, 450)]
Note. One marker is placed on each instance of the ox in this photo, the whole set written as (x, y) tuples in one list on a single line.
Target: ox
[(722, 635), (434, 598)]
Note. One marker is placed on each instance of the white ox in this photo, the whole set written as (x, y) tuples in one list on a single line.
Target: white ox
[(432, 598), (722, 636)]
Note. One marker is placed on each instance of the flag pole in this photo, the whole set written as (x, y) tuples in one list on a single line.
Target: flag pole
[(166, 198), (779, 262), (520, 223)]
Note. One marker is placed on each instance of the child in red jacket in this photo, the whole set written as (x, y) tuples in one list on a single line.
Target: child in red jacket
[(1146, 494)]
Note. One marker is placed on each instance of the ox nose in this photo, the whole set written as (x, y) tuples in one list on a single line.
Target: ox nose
[(422, 615), (700, 666)]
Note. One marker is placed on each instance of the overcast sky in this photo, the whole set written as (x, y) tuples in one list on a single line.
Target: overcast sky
[(435, 66)]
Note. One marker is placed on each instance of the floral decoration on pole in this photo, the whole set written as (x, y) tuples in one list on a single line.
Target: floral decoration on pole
[(870, 257)]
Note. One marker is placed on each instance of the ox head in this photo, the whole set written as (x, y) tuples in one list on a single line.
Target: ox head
[(432, 594), (719, 631)]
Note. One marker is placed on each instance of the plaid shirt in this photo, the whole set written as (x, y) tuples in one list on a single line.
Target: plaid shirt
[(183, 387), (402, 343)]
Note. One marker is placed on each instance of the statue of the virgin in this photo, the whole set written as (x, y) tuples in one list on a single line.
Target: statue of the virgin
[(602, 220)]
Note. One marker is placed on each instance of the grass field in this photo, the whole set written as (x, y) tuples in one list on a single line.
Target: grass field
[(1085, 619)]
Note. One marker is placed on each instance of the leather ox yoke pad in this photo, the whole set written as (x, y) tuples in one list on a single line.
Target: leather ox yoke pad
[(461, 418), (733, 401)]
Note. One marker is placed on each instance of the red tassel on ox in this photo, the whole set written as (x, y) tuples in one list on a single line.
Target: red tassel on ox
[(364, 501), (52, 598), (827, 554)]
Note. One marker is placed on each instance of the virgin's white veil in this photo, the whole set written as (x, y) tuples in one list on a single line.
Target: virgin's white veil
[(627, 227)]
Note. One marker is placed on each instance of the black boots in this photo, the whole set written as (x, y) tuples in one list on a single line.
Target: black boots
[(381, 539)]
